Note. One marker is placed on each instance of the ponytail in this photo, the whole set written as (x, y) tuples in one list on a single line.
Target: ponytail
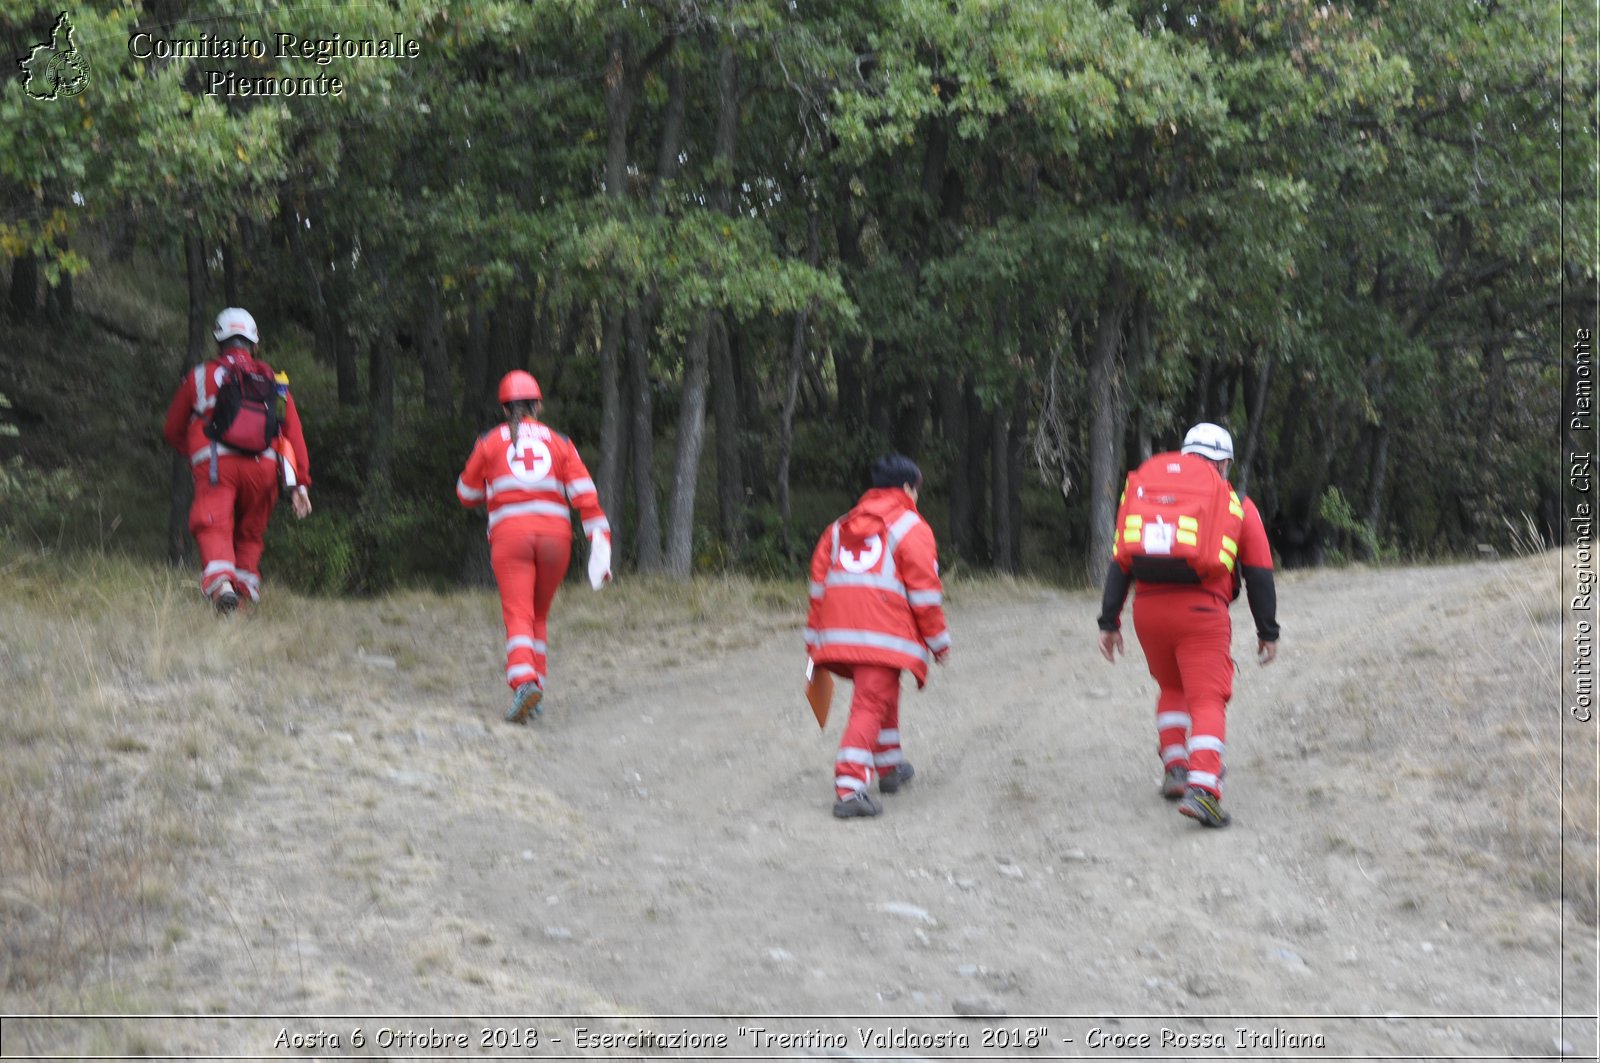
[(518, 411)]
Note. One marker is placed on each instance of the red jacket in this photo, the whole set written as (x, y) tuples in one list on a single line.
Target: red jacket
[(878, 601), (531, 482), (191, 405)]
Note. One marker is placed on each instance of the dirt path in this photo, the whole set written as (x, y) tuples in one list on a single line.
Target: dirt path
[(660, 843)]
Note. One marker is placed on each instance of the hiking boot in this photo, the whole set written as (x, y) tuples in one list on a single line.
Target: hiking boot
[(859, 803), (526, 700), (891, 781), (226, 600), (1174, 782), (1205, 807)]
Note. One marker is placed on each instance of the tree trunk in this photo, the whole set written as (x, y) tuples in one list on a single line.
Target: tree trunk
[(24, 300), (380, 408), (754, 483), (199, 345), (641, 432), (613, 397), (730, 469), (435, 353), (608, 480), (791, 393), (1105, 431), (475, 359), (1000, 491), (686, 462), (1017, 441), (849, 356), (1258, 418), (953, 417), (976, 470), (1140, 351)]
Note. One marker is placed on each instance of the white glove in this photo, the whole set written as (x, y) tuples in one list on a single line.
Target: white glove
[(599, 559)]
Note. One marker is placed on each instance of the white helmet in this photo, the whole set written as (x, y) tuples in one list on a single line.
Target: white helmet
[(235, 322), (1209, 441)]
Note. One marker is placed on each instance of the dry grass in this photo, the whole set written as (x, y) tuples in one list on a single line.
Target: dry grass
[(135, 721), (1457, 700)]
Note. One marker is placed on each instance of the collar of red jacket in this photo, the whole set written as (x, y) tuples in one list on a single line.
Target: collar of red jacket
[(885, 502)]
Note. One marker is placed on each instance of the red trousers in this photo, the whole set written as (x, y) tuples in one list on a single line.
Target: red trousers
[(229, 520), (871, 742), (1187, 640), (529, 568)]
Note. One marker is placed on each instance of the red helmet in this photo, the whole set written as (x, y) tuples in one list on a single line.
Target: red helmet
[(519, 386)]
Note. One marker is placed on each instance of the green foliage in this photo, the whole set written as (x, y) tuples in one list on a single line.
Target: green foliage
[(1357, 207), (1337, 514)]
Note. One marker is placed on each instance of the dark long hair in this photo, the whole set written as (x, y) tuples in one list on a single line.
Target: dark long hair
[(521, 410)]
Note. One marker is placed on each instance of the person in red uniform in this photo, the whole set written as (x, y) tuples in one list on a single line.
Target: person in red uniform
[(877, 609), (1186, 634), (234, 491), (529, 476)]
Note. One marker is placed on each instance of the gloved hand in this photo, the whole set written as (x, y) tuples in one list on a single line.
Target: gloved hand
[(599, 559)]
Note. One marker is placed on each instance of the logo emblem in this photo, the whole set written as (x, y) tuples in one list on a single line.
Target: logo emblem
[(864, 560), (529, 459), (56, 68)]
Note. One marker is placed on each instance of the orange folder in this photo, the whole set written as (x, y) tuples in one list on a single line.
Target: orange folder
[(819, 691)]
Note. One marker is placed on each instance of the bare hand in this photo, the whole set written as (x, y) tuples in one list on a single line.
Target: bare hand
[(302, 503), (1111, 645), (1266, 652)]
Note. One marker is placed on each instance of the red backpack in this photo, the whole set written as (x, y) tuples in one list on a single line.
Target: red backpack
[(1179, 521), (245, 416)]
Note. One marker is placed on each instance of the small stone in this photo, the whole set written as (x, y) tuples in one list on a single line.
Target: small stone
[(1011, 871), (1075, 856), (1289, 958), (1098, 692), (977, 1006), (344, 736), (552, 899), (922, 938), (968, 970), (558, 933), (527, 854), (780, 955), (908, 911), (1427, 946), (966, 884), (375, 660), (1149, 951)]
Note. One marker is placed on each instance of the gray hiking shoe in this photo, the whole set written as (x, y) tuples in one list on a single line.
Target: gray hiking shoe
[(1205, 807), (890, 781), (226, 602), (859, 803), (526, 700), (1174, 782)]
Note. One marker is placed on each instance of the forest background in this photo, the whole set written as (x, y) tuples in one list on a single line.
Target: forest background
[(746, 245)]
